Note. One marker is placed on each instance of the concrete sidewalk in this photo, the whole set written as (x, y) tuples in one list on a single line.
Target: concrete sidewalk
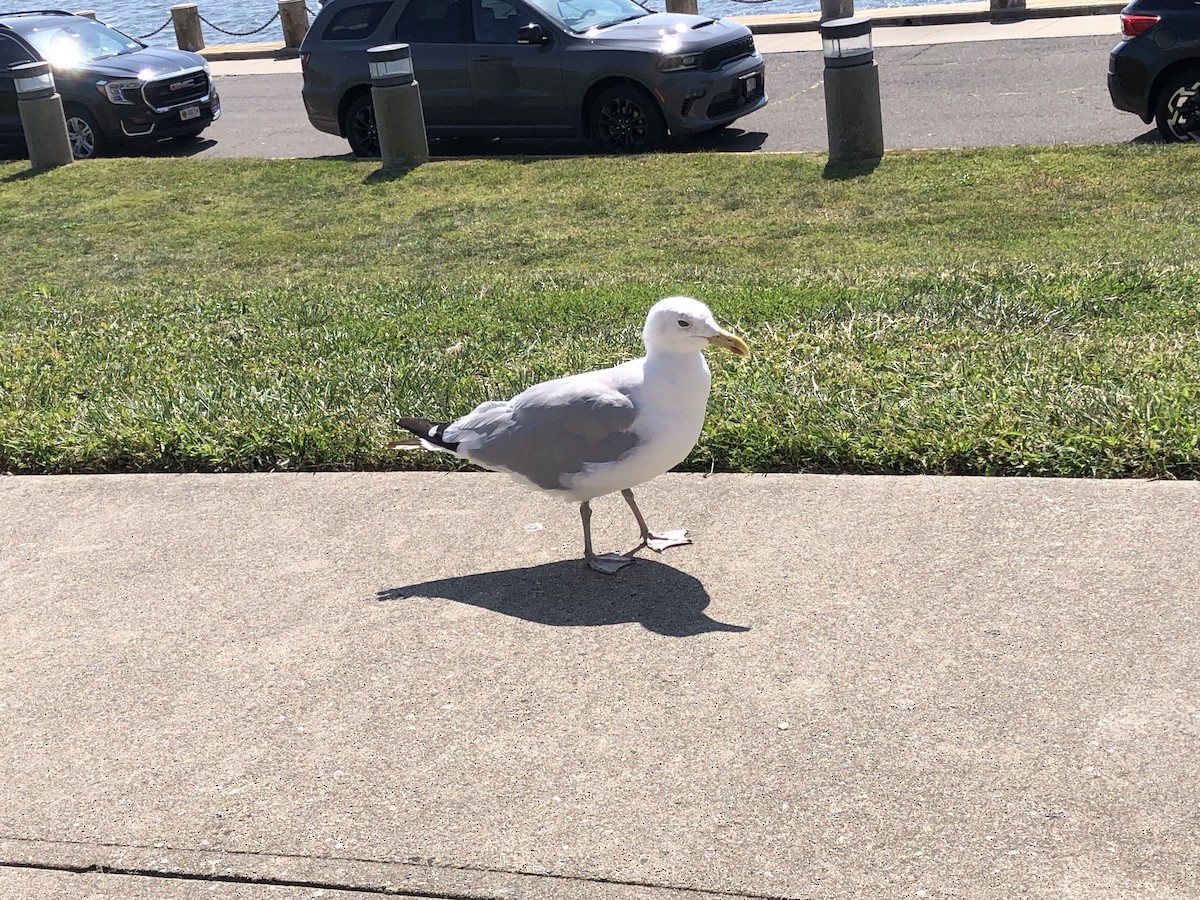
[(347, 685)]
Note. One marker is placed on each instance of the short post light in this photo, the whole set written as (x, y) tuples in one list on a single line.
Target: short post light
[(396, 97), (853, 116), (42, 117)]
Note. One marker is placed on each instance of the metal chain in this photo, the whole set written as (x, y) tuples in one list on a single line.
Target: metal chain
[(142, 37), (241, 33)]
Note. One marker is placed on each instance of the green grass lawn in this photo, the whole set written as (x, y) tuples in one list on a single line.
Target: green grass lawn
[(1008, 311)]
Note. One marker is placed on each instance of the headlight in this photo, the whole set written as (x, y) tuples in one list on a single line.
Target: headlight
[(123, 93), (680, 61)]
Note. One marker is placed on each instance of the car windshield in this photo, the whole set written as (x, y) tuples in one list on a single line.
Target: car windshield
[(585, 15), (76, 41)]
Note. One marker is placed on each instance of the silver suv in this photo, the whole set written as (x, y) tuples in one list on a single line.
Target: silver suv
[(608, 70)]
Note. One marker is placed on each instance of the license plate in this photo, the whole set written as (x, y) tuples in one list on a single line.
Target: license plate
[(189, 112), (750, 83)]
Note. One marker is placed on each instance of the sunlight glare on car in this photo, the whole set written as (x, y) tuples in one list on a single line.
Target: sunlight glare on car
[(671, 38), (64, 52)]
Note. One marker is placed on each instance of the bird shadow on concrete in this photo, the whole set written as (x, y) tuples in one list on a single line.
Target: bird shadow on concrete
[(567, 593)]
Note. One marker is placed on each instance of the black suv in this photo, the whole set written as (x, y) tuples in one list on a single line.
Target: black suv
[(1155, 70), (609, 70), (114, 89)]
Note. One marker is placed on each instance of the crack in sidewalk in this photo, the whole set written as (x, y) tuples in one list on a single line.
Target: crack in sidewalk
[(101, 869), (229, 876)]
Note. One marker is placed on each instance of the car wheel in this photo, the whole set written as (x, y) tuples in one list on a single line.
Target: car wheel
[(87, 142), (625, 119), (1177, 112), (360, 129)]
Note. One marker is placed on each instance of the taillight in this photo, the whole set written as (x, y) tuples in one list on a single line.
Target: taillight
[(304, 61), (1133, 25)]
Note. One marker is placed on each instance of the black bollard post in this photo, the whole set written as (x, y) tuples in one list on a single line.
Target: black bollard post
[(396, 96), (42, 118), (853, 116)]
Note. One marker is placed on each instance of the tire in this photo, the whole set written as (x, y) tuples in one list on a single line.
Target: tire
[(625, 119), (87, 141), (359, 127), (1177, 109)]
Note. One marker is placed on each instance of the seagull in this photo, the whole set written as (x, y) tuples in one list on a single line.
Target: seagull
[(599, 432)]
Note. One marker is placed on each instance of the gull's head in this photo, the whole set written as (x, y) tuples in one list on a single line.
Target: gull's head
[(684, 325)]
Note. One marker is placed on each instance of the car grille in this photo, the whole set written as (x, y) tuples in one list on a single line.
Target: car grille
[(716, 57), (177, 89), (723, 104)]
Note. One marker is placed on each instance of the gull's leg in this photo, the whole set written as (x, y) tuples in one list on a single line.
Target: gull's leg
[(608, 563), (656, 542)]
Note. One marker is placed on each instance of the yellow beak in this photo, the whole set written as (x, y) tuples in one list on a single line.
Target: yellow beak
[(730, 342)]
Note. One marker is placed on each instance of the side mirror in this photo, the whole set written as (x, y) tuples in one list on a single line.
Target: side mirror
[(532, 34)]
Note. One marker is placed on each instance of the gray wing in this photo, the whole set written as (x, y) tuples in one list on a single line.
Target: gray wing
[(551, 430)]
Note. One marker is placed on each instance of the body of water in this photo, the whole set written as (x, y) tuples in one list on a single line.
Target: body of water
[(245, 21)]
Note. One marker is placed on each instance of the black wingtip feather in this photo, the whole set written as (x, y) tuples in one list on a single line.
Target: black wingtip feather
[(427, 431)]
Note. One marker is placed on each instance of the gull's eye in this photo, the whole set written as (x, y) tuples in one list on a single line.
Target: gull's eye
[(684, 323)]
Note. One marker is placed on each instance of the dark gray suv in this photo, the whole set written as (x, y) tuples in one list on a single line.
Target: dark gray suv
[(608, 70), (1155, 70)]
